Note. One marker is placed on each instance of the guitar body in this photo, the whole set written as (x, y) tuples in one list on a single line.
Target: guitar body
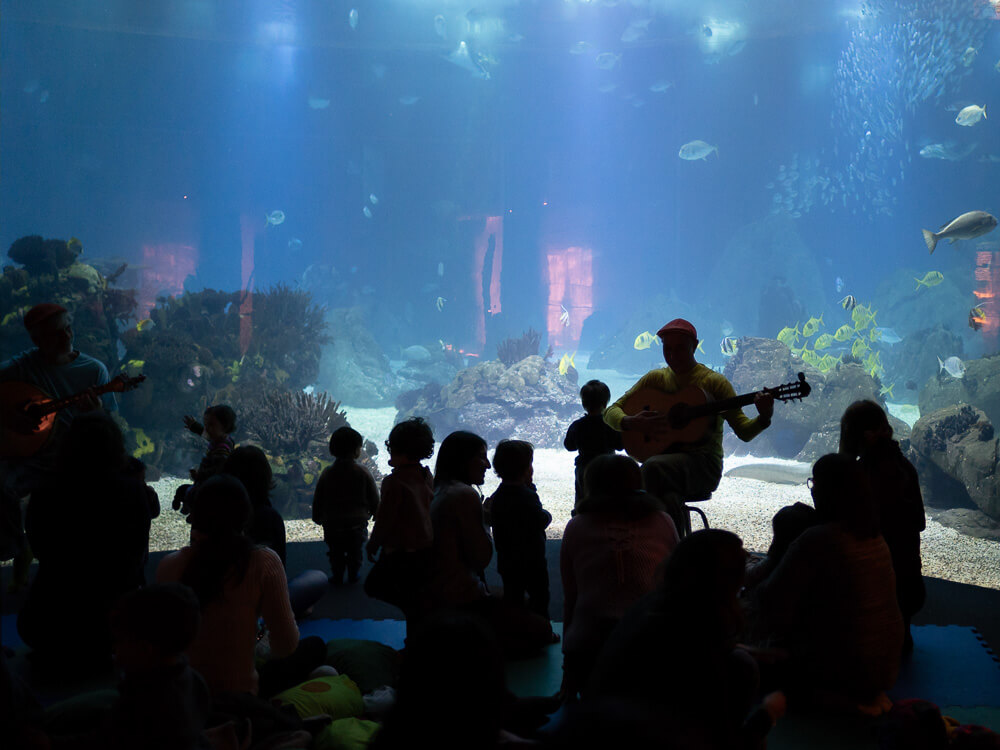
[(14, 397), (684, 430)]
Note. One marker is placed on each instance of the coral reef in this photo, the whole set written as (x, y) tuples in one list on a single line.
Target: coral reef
[(287, 422), (529, 400), (512, 350)]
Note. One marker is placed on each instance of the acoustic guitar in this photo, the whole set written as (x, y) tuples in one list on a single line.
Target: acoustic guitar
[(691, 412), (23, 398)]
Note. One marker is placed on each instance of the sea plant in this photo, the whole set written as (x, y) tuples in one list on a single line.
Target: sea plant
[(286, 422), (512, 350)]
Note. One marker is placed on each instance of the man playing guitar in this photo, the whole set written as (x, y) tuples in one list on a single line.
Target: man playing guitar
[(59, 370), (692, 468)]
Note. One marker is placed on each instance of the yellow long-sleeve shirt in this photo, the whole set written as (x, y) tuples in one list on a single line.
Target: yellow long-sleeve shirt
[(715, 385)]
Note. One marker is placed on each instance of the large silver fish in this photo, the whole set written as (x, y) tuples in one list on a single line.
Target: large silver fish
[(966, 227), (697, 150)]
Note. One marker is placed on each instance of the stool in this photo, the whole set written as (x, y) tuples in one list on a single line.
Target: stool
[(688, 509)]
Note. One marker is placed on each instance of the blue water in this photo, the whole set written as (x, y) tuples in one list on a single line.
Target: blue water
[(154, 129)]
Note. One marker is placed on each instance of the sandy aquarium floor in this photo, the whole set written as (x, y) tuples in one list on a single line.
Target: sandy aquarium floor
[(744, 506)]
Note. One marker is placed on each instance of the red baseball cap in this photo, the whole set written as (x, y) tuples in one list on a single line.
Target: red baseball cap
[(40, 313), (680, 326)]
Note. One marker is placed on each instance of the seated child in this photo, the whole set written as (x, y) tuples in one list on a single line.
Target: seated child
[(519, 524), (403, 530), (163, 702), (590, 435), (345, 499), (220, 422)]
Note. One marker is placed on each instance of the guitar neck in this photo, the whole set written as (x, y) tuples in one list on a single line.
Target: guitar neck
[(715, 407), (55, 405)]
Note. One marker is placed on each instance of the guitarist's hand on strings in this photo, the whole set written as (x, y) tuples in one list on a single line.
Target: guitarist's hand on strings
[(647, 422), (89, 401)]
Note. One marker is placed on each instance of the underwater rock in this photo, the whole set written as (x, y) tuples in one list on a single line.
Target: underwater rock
[(967, 521), (529, 400), (915, 359), (41, 256), (354, 366), (980, 387), (83, 277), (802, 430), (957, 466), (902, 305), (760, 255)]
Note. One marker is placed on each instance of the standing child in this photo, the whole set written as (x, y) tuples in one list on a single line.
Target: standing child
[(865, 434), (519, 524), (403, 529), (590, 435), (345, 498), (219, 423)]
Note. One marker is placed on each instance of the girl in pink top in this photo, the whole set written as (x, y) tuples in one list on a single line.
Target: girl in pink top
[(235, 582)]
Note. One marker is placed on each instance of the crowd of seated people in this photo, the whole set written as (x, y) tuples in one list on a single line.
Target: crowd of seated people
[(667, 642)]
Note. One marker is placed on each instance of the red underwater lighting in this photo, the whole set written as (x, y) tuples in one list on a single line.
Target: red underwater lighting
[(571, 295)]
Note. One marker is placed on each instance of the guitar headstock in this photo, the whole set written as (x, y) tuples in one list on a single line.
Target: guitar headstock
[(122, 383), (791, 391)]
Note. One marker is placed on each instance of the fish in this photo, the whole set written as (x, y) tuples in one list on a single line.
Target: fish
[(931, 278), (839, 285), (823, 341), (968, 226), (910, 385), (367, 212), (859, 349), (607, 60), (635, 30), (373, 199), (564, 316), (969, 55), (352, 18), (812, 325), (970, 115), (566, 363), (789, 336), (848, 302), (843, 333), (439, 303), (886, 391), (461, 57), (862, 317), (953, 366), (73, 244), (660, 86), (644, 340), (729, 346), (145, 325), (294, 244), (874, 335), (275, 218), (43, 97), (946, 151), (440, 26), (887, 335), (727, 328), (318, 102), (697, 150), (580, 48)]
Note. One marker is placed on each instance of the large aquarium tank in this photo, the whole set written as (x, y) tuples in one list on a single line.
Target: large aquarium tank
[(326, 212)]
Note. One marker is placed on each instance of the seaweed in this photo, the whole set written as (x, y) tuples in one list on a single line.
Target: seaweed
[(512, 350), (287, 422)]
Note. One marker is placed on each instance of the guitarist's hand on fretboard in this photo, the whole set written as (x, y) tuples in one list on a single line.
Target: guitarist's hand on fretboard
[(765, 405)]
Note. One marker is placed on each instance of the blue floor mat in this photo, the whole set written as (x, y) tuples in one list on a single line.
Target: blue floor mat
[(950, 666)]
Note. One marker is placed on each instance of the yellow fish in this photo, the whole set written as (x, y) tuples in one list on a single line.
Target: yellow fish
[(644, 340), (74, 244), (144, 325), (886, 391), (859, 348), (863, 317), (875, 334), (566, 363), (931, 278), (789, 336), (700, 349), (812, 325), (823, 341), (843, 333), (810, 357)]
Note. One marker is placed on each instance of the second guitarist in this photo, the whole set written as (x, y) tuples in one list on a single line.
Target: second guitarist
[(687, 469)]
